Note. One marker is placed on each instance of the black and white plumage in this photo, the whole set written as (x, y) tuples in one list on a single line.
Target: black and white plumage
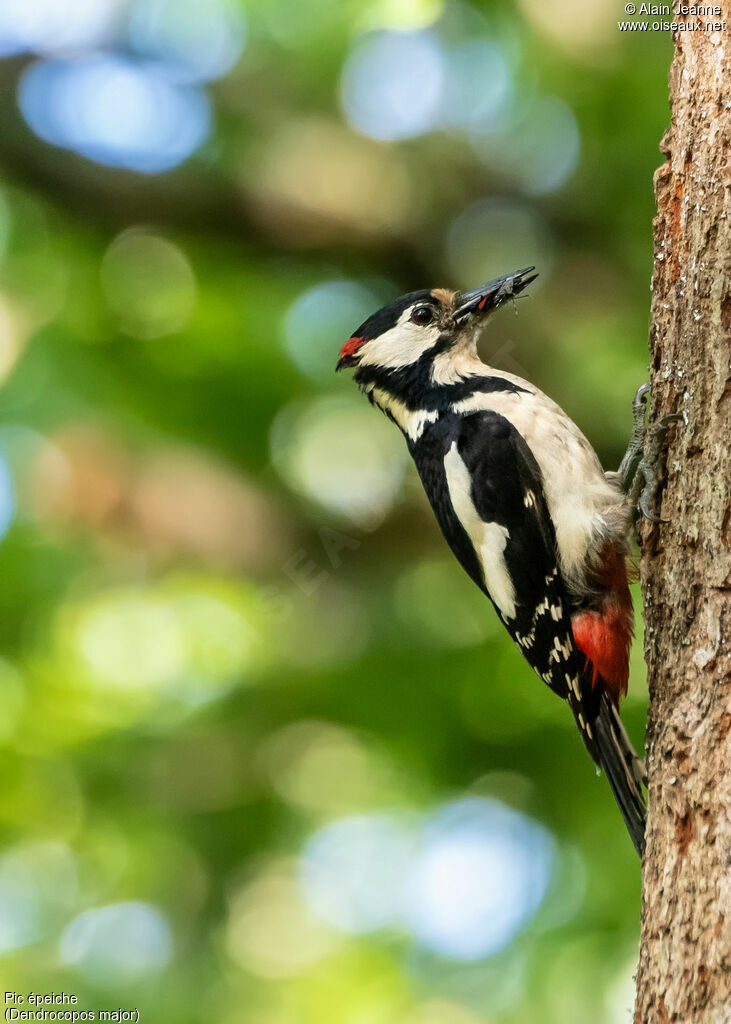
[(522, 501)]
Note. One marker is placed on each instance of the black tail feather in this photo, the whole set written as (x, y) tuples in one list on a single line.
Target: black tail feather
[(624, 769)]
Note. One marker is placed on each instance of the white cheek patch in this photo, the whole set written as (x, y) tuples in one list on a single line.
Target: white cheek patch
[(401, 345), (488, 539)]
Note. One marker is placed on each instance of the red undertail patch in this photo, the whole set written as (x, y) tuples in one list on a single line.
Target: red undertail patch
[(605, 635)]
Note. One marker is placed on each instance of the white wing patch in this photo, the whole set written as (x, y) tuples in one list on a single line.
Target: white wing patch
[(488, 539)]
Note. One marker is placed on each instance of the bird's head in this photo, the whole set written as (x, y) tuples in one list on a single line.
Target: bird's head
[(421, 326)]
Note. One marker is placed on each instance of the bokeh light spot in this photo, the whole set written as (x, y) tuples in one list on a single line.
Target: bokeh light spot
[(194, 40), (218, 636), (56, 26), (14, 333), (131, 640), (336, 452), (224, 636), (19, 907), (581, 29), (462, 882), (149, 283), (325, 769), (321, 319), (402, 14), (121, 942), (7, 496), (392, 85), (539, 150), (271, 931), (493, 236), (114, 111), (187, 641), (548, 146), (478, 87), (354, 871), (38, 885), (482, 873), (361, 187)]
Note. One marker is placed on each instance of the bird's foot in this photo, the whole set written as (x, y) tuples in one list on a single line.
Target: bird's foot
[(644, 487), (639, 469), (636, 447)]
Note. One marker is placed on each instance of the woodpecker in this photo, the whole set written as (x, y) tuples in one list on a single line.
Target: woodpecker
[(522, 501)]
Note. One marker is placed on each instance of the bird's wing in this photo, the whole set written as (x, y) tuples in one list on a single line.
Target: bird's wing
[(496, 490)]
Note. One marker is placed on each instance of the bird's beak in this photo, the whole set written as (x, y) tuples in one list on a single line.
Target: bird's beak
[(348, 355), (493, 294)]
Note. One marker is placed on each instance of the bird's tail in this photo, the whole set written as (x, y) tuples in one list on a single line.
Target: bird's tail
[(624, 768)]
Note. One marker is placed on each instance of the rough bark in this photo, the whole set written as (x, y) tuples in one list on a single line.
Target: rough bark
[(685, 959)]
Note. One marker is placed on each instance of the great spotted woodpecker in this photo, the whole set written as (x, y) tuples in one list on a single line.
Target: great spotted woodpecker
[(522, 501)]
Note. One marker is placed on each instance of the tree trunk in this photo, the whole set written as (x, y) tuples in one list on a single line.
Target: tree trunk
[(685, 958)]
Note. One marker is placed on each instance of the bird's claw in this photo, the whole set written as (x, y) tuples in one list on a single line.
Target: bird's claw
[(640, 397), (647, 477), (648, 495), (638, 469), (629, 465), (664, 423)]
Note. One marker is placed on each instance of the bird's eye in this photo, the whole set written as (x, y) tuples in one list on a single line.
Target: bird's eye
[(423, 315)]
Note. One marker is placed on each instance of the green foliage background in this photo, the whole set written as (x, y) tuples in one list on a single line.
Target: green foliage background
[(211, 646)]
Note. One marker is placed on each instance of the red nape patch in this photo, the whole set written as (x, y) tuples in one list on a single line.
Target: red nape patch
[(351, 346), (605, 638)]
